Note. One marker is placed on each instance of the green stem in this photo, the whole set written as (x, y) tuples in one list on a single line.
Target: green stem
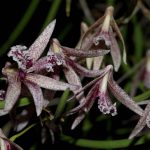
[(13, 138), (62, 103), (102, 144), (52, 12), (20, 27), (142, 96)]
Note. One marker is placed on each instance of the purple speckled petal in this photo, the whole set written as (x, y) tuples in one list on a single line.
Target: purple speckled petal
[(37, 48), (145, 119), (116, 28), (123, 97), (114, 50), (13, 92), (84, 53), (84, 107), (86, 40), (73, 78), (49, 83), (85, 72), (37, 96)]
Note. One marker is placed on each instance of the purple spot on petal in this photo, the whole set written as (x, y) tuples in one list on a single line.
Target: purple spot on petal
[(20, 55)]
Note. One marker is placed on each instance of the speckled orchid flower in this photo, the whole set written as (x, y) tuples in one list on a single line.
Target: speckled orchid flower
[(6, 144), (32, 79), (104, 29), (100, 90), (70, 67)]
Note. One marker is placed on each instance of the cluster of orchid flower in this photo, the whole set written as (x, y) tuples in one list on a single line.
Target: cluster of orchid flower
[(42, 74)]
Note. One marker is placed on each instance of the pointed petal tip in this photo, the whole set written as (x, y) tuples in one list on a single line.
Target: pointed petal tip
[(77, 121), (73, 126), (53, 23), (38, 112), (116, 68), (131, 136)]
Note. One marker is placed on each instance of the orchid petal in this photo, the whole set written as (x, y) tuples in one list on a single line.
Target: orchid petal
[(123, 97), (37, 48), (12, 94), (49, 83), (38, 65), (84, 107), (141, 123), (85, 72), (115, 27), (83, 53), (77, 121), (87, 36), (37, 96), (73, 78), (115, 51), (3, 112)]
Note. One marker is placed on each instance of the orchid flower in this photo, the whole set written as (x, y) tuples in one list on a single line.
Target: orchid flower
[(6, 144), (100, 90), (103, 30), (70, 66), (26, 59)]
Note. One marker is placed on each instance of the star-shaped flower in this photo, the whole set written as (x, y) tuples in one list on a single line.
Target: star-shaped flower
[(32, 79), (101, 88), (104, 29)]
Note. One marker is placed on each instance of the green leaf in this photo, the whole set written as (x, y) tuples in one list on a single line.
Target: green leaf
[(143, 96), (68, 7), (22, 102), (52, 12), (138, 40), (62, 103), (102, 144)]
